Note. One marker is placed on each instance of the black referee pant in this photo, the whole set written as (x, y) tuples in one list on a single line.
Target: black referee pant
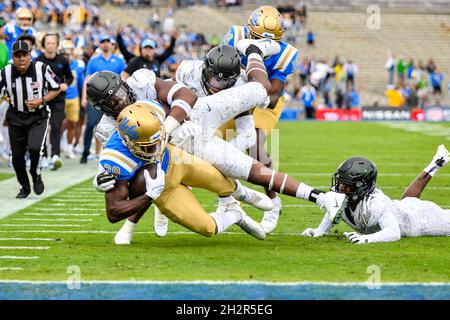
[(58, 114), (27, 131)]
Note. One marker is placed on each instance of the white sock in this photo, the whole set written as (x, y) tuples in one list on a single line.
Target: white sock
[(225, 219), (239, 193), (128, 226), (303, 191), (432, 168), (276, 202)]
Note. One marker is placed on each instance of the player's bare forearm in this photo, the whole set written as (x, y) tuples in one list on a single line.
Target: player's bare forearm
[(119, 207), (275, 91)]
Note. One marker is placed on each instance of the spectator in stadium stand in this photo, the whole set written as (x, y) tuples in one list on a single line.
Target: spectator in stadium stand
[(304, 71), (307, 96), (214, 40), (409, 68), (390, 67), (394, 95), (353, 99), (431, 65), (310, 38), (412, 100), (3, 48), (436, 79), (401, 67), (350, 71)]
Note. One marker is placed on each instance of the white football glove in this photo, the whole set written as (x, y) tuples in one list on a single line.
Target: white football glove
[(186, 131), (104, 181), (356, 238), (155, 186), (310, 232)]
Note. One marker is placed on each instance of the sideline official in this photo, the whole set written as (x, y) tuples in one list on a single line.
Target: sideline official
[(28, 85)]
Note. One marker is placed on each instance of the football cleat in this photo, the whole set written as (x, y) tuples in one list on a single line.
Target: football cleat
[(252, 197), (270, 218), (442, 156), (160, 224), (334, 203), (268, 47), (246, 223), (56, 162)]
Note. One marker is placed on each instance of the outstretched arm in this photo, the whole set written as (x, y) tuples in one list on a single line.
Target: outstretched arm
[(324, 227)]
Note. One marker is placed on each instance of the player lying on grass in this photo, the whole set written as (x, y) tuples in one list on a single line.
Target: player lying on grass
[(223, 155), (376, 217), (139, 143)]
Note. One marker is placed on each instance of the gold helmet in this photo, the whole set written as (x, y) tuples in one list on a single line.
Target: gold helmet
[(24, 17), (140, 127), (66, 47), (266, 22)]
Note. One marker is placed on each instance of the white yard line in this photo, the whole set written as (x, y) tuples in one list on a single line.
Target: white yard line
[(19, 257), (71, 209), (63, 214), (52, 220), (29, 239), (23, 248), (39, 225), (11, 269), (71, 173), (61, 204)]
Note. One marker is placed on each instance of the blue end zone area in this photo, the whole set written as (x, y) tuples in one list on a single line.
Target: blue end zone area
[(219, 291)]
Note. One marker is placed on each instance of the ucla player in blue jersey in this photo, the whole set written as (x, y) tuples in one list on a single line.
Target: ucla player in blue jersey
[(140, 142), (22, 25), (266, 22)]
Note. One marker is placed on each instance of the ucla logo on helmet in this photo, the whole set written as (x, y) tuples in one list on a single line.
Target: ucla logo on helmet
[(129, 131), (255, 17)]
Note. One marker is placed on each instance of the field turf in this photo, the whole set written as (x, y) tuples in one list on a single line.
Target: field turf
[(70, 228)]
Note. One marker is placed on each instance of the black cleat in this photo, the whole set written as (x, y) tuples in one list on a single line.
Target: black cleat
[(84, 158), (22, 194), (38, 185)]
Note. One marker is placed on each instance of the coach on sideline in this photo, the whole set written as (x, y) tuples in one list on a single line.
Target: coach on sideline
[(28, 85)]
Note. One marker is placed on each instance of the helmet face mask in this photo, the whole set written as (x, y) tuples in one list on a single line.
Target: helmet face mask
[(24, 18), (356, 177), (216, 81)]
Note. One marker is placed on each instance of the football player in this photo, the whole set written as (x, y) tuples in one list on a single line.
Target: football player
[(376, 217), (227, 158), (139, 143), (266, 23), (22, 26)]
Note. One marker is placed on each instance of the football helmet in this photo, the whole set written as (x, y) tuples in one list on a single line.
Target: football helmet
[(358, 175), (66, 47), (266, 22), (24, 18), (221, 68), (140, 128), (108, 93)]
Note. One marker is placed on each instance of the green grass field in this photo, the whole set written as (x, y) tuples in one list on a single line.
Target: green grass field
[(310, 151), (4, 176)]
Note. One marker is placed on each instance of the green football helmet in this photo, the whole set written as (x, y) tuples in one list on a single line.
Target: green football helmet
[(358, 174), (221, 68)]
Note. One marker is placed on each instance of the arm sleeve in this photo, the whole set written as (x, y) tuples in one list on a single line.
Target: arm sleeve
[(167, 53), (123, 50), (390, 230), (50, 77), (246, 133)]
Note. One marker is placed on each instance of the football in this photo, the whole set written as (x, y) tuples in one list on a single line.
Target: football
[(137, 185)]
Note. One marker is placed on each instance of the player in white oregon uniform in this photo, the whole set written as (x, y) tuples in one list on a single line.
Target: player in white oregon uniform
[(229, 160), (376, 217)]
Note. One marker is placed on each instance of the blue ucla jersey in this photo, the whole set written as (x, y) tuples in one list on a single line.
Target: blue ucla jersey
[(118, 160), (77, 67), (12, 32), (278, 66)]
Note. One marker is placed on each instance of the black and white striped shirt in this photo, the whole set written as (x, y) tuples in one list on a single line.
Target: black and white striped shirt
[(33, 84)]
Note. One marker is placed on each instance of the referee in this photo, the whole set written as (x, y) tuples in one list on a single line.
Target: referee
[(28, 85)]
